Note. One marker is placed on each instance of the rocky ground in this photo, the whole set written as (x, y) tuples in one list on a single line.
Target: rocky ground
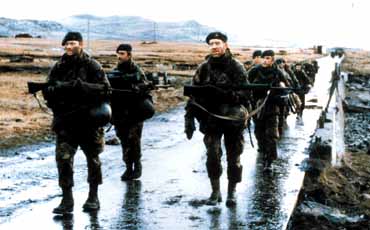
[(339, 197)]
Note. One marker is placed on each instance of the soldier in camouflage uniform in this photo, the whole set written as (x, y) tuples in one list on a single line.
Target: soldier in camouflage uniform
[(71, 100), (305, 86), (127, 117), (256, 57), (247, 65), (293, 82), (220, 68), (267, 120), (310, 71)]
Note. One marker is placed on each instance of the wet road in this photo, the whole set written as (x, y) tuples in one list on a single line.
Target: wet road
[(174, 184)]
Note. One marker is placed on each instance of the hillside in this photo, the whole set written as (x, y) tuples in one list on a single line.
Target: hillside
[(113, 27)]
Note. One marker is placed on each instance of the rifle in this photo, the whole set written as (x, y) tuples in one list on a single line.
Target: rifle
[(220, 89), (34, 87), (118, 79), (96, 89)]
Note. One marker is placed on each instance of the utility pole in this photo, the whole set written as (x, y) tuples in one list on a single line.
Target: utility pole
[(88, 35), (154, 32)]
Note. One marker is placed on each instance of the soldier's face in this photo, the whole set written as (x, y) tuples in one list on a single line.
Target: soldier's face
[(123, 56), (257, 60), (298, 67), (217, 47), (72, 47), (267, 61)]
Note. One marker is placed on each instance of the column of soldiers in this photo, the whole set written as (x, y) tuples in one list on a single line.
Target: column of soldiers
[(79, 94), (270, 121)]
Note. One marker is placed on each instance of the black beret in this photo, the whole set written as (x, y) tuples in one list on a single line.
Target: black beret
[(268, 53), (216, 35), (72, 36), (124, 47), (257, 53)]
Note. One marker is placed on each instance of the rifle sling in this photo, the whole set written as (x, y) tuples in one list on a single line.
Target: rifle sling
[(230, 118)]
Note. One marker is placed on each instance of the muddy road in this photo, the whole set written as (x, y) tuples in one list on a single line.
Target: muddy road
[(171, 192)]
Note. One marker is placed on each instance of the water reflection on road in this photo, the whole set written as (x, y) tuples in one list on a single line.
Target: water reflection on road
[(174, 184)]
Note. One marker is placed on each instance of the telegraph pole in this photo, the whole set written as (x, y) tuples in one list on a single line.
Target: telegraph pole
[(88, 35), (154, 32)]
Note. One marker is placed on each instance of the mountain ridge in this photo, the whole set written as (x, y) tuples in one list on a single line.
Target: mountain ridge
[(110, 27)]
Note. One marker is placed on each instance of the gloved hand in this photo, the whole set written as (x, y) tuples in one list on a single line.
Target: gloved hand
[(49, 93), (189, 126)]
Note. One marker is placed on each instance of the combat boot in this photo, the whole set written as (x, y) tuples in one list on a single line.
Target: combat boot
[(137, 170), (92, 202), (66, 205), (231, 198), (216, 194), (128, 174)]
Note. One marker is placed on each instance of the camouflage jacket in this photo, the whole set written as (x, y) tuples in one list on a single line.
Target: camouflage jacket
[(272, 76), (303, 79), (226, 71), (124, 107), (71, 105)]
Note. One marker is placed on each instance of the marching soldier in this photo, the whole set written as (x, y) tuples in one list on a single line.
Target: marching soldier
[(77, 92), (305, 86), (130, 111), (267, 120), (220, 68)]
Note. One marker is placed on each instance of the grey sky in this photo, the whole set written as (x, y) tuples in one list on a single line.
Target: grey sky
[(340, 22)]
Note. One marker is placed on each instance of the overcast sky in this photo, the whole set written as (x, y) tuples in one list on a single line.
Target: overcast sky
[(335, 23)]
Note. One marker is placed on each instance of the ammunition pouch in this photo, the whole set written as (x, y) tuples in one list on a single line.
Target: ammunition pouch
[(133, 109), (236, 112)]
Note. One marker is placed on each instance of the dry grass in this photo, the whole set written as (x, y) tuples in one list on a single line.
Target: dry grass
[(357, 62), (347, 184), (20, 117)]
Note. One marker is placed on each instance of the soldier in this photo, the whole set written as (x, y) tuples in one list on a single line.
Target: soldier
[(288, 73), (310, 71), (256, 56), (305, 86), (247, 65), (266, 121), (220, 68), (130, 111), (76, 94), (293, 82)]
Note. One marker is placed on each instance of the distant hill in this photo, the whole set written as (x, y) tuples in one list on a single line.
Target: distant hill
[(11, 27), (113, 27)]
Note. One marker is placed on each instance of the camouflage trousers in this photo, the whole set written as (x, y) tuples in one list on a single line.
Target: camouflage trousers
[(130, 137), (302, 98), (234, 144), (284, 112), (92, 144), (267, 135)]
